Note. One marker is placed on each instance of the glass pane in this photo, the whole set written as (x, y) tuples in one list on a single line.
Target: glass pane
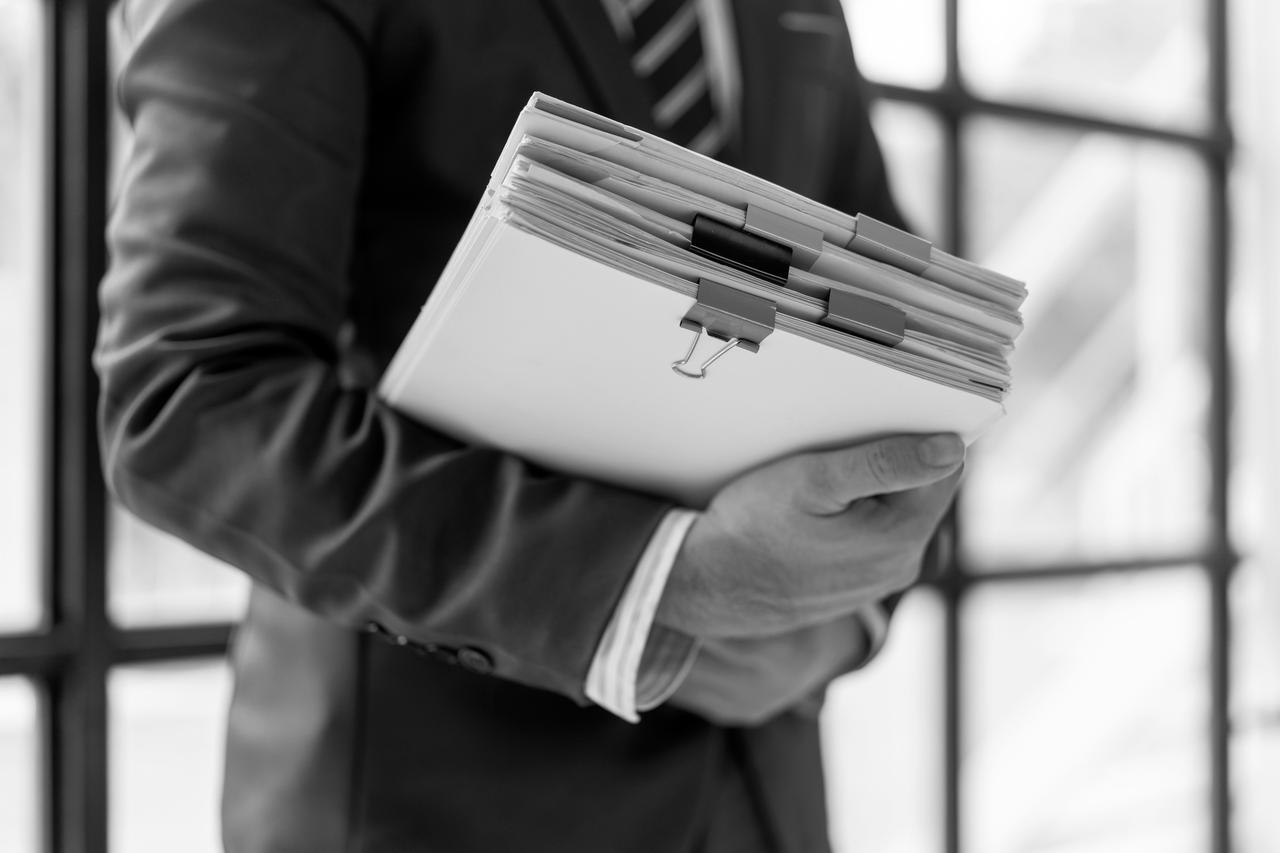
[(1086, 716), (882, 729), (167, 733), (912, 141), (19, 768), (1255, 281), (1142, 60), (1255, 711), (899, 41), (1103, 454), (21, 314), (1255, 594), (157, 579)]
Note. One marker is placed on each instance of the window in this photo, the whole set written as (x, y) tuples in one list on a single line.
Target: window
[(21, 311), (167, 723), (19, 769), (1067, 684), (59, 649)]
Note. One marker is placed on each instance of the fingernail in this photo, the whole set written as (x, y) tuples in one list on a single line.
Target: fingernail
[(941, 450)]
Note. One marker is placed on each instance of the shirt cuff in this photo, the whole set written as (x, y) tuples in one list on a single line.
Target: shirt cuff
[(667, 659), (614, 680)]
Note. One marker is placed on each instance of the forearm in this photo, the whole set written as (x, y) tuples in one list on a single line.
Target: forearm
[(223, 419)]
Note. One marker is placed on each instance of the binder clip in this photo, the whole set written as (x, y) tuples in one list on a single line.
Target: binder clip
[(741, 249), (866, 318), (890, 245), (766, 245), (739, 319)]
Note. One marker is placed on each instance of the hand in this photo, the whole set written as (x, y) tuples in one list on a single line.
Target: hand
[(745, 681), (811, 537)]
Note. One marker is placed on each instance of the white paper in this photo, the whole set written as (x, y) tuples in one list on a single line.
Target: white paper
[(565, 361)]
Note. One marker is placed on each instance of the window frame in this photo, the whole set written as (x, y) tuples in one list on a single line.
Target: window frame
[(953, 103), (73, 651)]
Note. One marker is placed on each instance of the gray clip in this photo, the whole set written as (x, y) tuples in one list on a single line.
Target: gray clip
[(804, 240), (740, 319), (873, 238), (866, 318)]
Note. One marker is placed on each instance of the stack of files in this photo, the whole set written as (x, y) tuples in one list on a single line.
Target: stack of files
[(624, 309)]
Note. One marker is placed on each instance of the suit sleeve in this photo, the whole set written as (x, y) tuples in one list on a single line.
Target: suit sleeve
[(222, 416)]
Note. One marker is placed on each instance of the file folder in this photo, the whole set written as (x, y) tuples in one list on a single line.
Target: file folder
[(624, 309)]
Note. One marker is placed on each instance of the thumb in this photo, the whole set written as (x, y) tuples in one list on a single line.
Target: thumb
[(837, 478)]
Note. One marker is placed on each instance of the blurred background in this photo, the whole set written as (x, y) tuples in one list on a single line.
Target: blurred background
[(1098, 671)]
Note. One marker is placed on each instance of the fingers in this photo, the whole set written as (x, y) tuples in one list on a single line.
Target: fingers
[(774, 550), (923, 508), (829, 481), (934, 496)]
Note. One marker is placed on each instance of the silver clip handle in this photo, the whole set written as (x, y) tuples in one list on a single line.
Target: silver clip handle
[(679, 366), (723, 312)]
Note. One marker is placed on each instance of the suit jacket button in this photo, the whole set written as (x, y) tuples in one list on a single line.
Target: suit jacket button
[(474, 660)]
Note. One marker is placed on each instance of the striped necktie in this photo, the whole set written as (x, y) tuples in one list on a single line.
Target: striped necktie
[(667, 55)]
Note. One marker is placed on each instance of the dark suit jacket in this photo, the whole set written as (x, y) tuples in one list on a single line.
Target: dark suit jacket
[(300, 171)]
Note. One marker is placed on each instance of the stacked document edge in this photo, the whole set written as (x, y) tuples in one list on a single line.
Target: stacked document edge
[(614, 199), (623, 217)]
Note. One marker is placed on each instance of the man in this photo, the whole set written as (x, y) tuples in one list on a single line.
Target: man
[(447, 647)]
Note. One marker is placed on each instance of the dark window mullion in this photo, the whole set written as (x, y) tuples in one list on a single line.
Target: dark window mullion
[(47, 732), (154, 645), (953, 79), (1061, 571), (953, 589), (953, 583), (33, 655), (1223, 559), (1223, 563), (76, 763)]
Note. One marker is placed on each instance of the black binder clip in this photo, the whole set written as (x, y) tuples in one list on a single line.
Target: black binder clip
[(767, 245), (739, 319), (740, 249)]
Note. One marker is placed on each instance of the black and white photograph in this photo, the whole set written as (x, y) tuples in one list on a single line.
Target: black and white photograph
[(639, 426)]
